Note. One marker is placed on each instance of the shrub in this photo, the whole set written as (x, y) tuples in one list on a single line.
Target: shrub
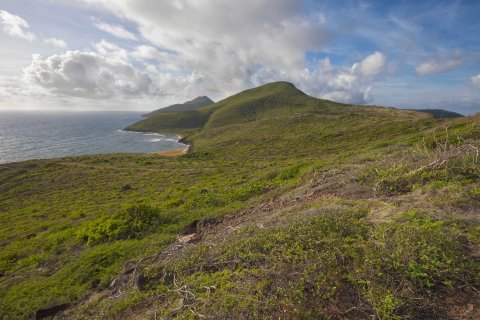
[(133, 223), (303, 270)]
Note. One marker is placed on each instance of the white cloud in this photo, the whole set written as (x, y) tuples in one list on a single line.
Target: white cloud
[(146, 52), (342, 84), (373, 64), (107, 74), (115, 30), (111, 50), (439, 64), (476, 80), (87, 75), (58, 43), (226, 41), (405, 24), (81, 76), (348, 85), (15, 26), (239, 45)]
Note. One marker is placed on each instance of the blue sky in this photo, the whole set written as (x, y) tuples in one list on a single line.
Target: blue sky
[(145, 54)]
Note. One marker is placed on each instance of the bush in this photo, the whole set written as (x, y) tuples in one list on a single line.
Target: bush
[(133, 223), (303, 270)]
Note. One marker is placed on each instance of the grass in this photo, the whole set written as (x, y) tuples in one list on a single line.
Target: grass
[(194, 104), (284, 272), (400, 233)]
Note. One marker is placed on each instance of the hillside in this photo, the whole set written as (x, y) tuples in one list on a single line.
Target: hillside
[(286, 207), (439, 113), (250, 105), (194, 104)]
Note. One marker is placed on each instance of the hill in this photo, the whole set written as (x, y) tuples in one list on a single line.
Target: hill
[(194, 104), (250, 105), (287, 206), (440, 113)]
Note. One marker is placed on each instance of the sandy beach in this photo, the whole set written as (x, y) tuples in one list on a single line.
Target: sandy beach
[(172, 153)]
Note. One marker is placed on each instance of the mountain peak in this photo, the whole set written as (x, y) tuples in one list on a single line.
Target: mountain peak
[(194, 104)]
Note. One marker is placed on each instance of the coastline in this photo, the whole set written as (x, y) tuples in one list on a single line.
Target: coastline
[(172, 152), (176, 152)]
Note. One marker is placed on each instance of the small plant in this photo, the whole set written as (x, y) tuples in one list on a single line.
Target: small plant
[(442, 160), (132, 223)]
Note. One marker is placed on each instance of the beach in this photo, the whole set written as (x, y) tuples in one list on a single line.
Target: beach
[(172, 153)]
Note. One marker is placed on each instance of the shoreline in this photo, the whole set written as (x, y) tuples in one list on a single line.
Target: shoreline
[(171, 153), (176, 152)]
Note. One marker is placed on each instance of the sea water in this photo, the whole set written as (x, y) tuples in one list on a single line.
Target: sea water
[(28, 135)]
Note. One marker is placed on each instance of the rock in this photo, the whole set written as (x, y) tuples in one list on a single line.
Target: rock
[(190, 228), (121, 279), (126, 187), (268, 189), (206, 222), (168, 278), (129, 267), (197, 225), (191, 238), (50, 312), (183, 140), (94, 284), (140, 282)]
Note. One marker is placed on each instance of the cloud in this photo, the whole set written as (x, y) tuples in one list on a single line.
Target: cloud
[(58, 43), (348, 85), (244, 44), (440, 64), (476, 80), (226, 40), (146, 52), (111, 50), (239, 45), (115, 30), (87, 75), (107, 74), (373, 64), (15, 26), (405, 24)]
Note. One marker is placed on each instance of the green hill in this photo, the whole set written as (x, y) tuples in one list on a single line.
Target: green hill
[(287, 206), (267, 101), (194, 104), (171, 122), (439, 113)]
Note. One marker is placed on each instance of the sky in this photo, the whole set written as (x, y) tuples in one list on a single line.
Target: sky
[(147, 54)]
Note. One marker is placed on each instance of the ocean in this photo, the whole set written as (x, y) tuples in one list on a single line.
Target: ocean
[(26, 135)]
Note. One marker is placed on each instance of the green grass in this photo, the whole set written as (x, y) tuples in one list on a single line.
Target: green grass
[(67, 228), (307, 270)]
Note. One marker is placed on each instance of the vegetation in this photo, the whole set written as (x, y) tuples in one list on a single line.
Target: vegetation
[(194, 104), (307, 270), (322, 210), (439, 113)]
